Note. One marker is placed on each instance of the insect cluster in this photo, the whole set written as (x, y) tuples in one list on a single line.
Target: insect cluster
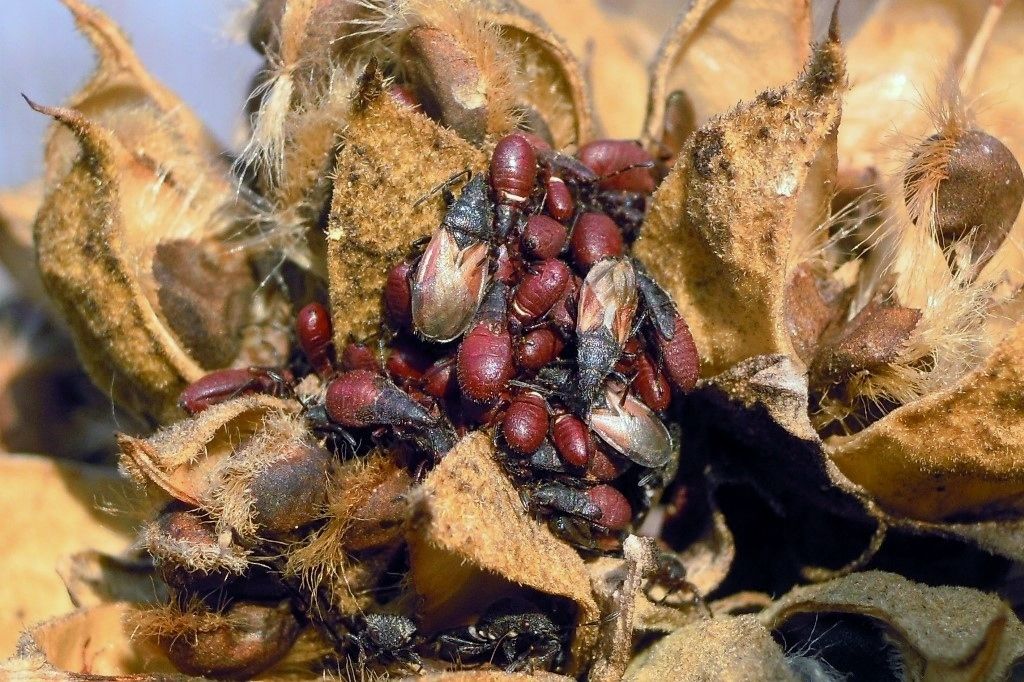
[(524, 315)]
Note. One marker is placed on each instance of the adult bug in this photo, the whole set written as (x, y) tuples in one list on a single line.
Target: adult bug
[(453, 272), (385, 638), (607, 306), (512, 633), (631, 428)]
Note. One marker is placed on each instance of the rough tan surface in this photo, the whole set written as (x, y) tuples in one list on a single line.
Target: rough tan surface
[(719, 229)]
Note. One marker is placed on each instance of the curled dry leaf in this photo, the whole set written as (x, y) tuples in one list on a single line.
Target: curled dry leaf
[(719, 228), (52, 510), (488, 676), (471, 535), (720, 648), (214, 461), (718, 53), (394, 155), (941, 633)]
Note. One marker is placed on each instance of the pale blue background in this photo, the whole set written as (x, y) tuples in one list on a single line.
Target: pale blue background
[(186, 43)]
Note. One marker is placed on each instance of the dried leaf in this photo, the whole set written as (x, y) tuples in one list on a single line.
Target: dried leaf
[(471, 531), (718, 234), (720, 52), (720, 648), (943, 633), (50, 510), (489, 676), (391, 157)]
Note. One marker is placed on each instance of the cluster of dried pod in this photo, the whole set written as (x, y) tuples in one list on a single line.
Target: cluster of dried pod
[(431, 377)]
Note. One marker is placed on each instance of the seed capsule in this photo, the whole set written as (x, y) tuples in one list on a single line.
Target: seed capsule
[(360, 399), (538, 347), (540, 289), (398, 296), (616, 513), (225, 384), (595, 238), (979, 194), (651, 385), (484, 361), (313, 331), (525, 425), (292, 491), (250, 639), (559, 202), (543, 237), (621, 165), (572, 439), (607, 306), (630, 427)]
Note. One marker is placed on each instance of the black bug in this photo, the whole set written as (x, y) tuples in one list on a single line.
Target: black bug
[(385, 638), (513, 634)]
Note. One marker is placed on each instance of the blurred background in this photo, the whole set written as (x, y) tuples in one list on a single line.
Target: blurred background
[(193, 46)]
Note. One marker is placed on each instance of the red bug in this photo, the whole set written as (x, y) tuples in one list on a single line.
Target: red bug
[(563, 313), (558, 200), (594, 238), (679, 356), (525, 424), (572, 440), (604, 466), (224, 384), (616, 512), (651, 385), (398, 296), (361, 398), (543, 237), (506, 269), (607, 306), (359, 356), (620, 165), (407, 361), (538, 347), (439, 379), (629, 426), (484, 362), (404, 96), (513, 175), (540, 289), (313, 331)]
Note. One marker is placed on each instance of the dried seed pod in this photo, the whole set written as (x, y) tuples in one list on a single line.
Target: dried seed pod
[(188, 553), (237, 644), (594, 238), (291, 490), (975, 187), (525, 425)]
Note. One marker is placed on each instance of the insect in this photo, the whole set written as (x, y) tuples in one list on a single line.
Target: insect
[(607, 306), (577, 515), (485, 363), (513, 634), (525, 424), (594, 238), (385, 638), (540, 289), (313, 330), (679, 354), (543, 237), (631, 428), (669, 578), (224, 384), (452, 274), (513, 175)]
